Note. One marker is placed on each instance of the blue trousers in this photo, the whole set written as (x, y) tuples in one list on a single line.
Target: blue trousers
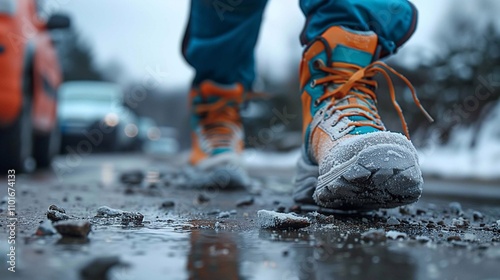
[(221, 35)]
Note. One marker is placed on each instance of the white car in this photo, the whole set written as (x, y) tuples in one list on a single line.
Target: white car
[(92, 114)]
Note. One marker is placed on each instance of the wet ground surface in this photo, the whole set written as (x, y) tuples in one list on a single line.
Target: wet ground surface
[(190, 233)]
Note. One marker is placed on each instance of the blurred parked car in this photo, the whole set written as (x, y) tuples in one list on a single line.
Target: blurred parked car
[(92, 114), (29, 78)]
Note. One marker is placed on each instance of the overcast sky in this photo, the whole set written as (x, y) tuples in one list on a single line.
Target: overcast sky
[(147, 34)]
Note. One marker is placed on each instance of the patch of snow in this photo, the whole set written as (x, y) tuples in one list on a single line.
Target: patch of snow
[(394, 153), (275, 220)]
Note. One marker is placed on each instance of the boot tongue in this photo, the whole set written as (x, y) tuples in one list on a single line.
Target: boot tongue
[(211, 90), (351, 46), (357, 48)]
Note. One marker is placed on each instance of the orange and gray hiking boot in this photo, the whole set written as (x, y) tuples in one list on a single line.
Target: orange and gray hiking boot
[(217, 135), (349, 160)]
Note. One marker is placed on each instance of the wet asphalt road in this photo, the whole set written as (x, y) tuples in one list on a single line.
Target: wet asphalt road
[(196, 239)]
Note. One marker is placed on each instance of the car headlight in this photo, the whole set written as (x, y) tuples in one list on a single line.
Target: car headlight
[(154, 134), (131, 130), (111, 119)]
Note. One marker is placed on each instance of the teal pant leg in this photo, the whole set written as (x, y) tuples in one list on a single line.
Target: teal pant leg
[(221, 35), (220, 39), (394, 21)]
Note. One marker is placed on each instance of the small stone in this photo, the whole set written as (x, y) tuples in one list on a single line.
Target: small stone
[(55, 214), (78, 198), (374, 235), (321, 218), (392, 221), (405, 210), (223, 215), (233, 212), (431, 225), (469, 237), (285, 253), (421, 212), (498, 223), (441, 223), (392, 234), (133, 177), (245, 202), (45, 229), (213, 212), (454, 238), (460, 223), (455, 208), (129, 217), (280, 209), (56, 208), (168, 204), (202, 198), (274, 220), (423, 239), (73, 228), (129, 191), (476, 215), (105, 211)]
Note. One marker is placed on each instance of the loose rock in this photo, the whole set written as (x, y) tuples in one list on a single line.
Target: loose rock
[(455, 208), (56, 208), (129, 217), (392, 234), (168, 204), (105, 211), (223, 215), (460, 223), (55, 214), (469, 237), (374, 235), (454, 238), (202, 198), (274, 220), (476, 215), (393, 221), (133, 177), (321, 219), (73, 228), (245, 202)]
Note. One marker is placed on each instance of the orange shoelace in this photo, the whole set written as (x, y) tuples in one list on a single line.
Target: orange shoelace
[(357, 82), (219, 120)]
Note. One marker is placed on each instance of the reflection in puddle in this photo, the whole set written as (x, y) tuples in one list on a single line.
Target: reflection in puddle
[(170, 251), (213, 256)]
